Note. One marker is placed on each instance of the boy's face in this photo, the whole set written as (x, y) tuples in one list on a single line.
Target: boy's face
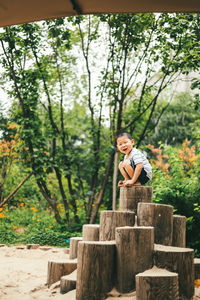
[(124, 144)]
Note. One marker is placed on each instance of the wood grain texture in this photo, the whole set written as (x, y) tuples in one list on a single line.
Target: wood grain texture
[(96, 269), (68, 282), (90, 232), (197, 268), (179, 231), (181, 261), (58, 268), (73, 248), (109, 220), (157, 284), (131, 196), (134, 247), (160, 217)]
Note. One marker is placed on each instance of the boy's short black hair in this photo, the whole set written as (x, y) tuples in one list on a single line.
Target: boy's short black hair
[(123, 134)]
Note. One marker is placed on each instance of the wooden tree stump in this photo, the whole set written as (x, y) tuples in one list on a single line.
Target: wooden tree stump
[(197, 268), (179, 231), (160, 217), (91, 232), (73, 248), (181, 261), (96, 268), (68, 282), (58, 268), (134, 254), (109, 220), (157, 284), (131, 196)]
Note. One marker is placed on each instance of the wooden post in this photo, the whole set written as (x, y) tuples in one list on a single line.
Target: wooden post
[(160, 217), (197, 268), (58, 268), (181, 261), (179, 231), (91, 232), (68, 282), (73, 248), (157, 284), (134, 254), (96, 268), (114, 200), (131, 196), (109, 220)]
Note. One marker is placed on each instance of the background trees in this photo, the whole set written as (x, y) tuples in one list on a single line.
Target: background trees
[(76, 82)]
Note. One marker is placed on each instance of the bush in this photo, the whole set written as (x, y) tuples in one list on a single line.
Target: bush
[(31, 225), (176, 182)]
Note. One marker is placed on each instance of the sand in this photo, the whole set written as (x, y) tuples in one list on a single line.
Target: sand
[(23, 275)]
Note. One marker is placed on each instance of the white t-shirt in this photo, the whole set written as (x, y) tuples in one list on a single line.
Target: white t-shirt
[(138, 157)]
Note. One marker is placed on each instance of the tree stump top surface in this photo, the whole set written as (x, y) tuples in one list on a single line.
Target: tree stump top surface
[(158, 247), (116, 212), (98, 243), (134, 227), (91, 225), (76, 238), (157, 272), (71, 276), (181, 217), (136, 187), (64, 261), (154, 204), (197, 260)]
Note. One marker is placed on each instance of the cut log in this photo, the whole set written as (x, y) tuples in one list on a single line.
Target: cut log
[(197, 268), (73, 248), (157, 284), (91, 232), (68, 282), (160, 217), (131, 196), (58, 268), (32, 246), (96, 269), (179, 231), (178, 260), (135, 247), (109, 220)]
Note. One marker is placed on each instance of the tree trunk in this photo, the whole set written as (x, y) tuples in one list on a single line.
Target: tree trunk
[(157, 284), (181, 261), (197, 268), (68, 282), (131, 196), (11, 195), (73, 248), (114, 200), (160, 217), (102, 190), (90, 232), (179, 231), (109, 220), (56, 269), (96, 269), (134, 254)]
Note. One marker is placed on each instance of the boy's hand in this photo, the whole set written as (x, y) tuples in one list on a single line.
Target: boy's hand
[(121, 183), (128, 183)]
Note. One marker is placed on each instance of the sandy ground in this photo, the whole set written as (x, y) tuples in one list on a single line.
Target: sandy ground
[(23, 275)]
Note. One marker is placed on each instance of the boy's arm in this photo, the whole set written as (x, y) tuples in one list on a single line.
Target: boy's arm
[(137, 172)]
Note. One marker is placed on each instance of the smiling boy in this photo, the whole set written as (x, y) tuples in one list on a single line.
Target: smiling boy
[(135, 167)]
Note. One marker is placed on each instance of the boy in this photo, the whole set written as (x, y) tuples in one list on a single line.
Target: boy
[(135, 167)]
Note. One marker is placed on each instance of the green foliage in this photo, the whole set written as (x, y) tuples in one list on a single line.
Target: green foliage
[(178, 185), (178, 122), (28, 225)]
